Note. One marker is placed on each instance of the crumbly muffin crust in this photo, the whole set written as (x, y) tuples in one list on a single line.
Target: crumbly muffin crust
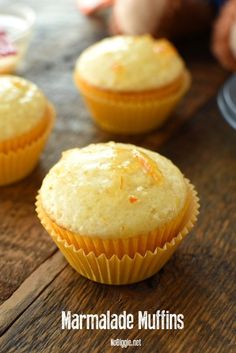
[(113, 190)]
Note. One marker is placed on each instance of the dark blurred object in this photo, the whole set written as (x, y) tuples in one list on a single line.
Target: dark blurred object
[(162, 18), (227, 101), (217, 3), (175, 19)]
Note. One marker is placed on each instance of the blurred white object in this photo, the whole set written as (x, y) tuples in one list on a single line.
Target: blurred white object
[(227, 101), (16, 23)]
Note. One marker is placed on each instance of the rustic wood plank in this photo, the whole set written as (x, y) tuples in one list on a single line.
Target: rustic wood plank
[(30, 289), (61, 33), (199, 281)]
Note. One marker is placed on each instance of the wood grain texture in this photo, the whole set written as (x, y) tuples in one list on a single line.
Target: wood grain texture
[(61, 33), (199, 281), (30, 289)]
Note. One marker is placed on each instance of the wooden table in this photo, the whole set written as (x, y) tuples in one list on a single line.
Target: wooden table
[(199, 281)]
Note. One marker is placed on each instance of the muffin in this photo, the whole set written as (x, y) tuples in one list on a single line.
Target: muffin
[(109, 206), (26, 118), (131, 83)]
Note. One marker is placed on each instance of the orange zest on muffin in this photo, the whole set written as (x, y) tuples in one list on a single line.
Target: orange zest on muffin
[(26, 118), (131, 83), (99, 203)]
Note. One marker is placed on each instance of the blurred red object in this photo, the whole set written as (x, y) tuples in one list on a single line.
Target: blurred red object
[(89, 7), (6, 47)]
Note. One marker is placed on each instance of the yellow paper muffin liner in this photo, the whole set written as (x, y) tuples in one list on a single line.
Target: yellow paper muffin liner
[(18, 162), (121, 246), (131, 114), (14, 144), (125, 270), (8, 69)]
